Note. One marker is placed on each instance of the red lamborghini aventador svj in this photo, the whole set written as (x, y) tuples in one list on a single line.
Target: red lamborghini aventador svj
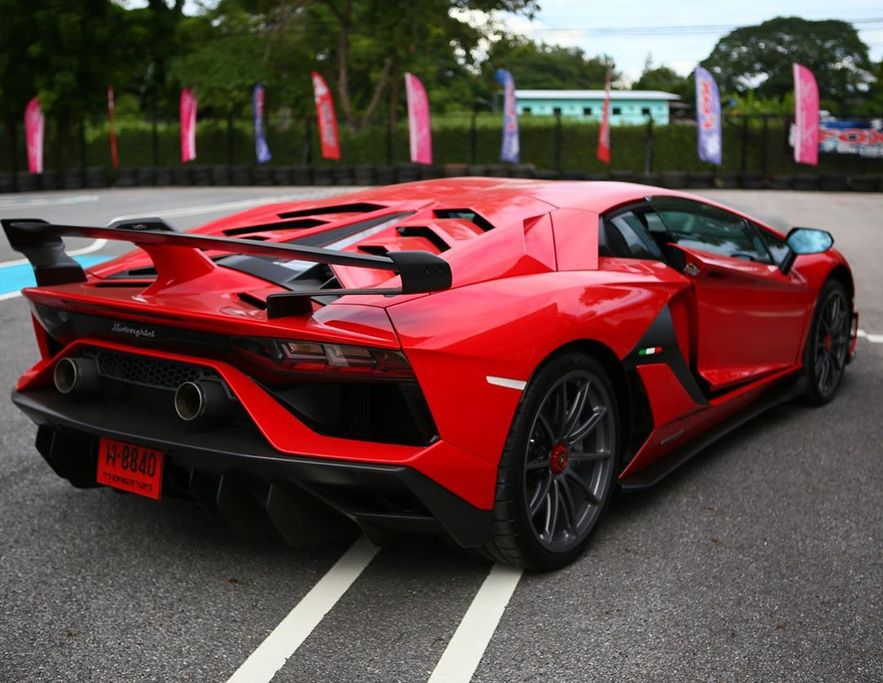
[(484, 358)]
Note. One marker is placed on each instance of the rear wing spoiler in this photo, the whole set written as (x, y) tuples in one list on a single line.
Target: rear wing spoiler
[(40, 242)]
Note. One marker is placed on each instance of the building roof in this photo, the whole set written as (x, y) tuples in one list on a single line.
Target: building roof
[(594, 95)]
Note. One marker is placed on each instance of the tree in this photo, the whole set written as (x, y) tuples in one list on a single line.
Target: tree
[(238, 44), (65, 52), (541, 66), (759, 58), (396, 36), (873, 104), (663, 78)]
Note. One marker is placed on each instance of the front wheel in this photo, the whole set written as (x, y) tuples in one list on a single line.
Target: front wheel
[(557, 469), (827, 346)]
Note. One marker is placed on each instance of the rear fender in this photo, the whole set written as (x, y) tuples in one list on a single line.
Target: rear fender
[(474, 349)]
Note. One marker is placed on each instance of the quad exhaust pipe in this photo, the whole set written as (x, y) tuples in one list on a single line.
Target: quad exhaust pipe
[(202, 401), (76, 376)]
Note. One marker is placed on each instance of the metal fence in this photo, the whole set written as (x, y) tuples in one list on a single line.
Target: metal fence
[(756, 147)]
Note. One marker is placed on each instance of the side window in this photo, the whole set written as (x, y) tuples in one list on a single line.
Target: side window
[(706, 228), (625, 235), (775, 244)]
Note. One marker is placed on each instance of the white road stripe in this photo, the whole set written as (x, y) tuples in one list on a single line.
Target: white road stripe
[(96, 245), (27, 202), (217, 208), (874, 338), (293, 630), (463, 654), (9, 295)]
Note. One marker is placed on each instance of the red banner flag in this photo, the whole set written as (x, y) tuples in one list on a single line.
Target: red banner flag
[(603, 152), (419, 131), (34, 125), (806, 117), (111, 119), (326, 118), (188, 125)]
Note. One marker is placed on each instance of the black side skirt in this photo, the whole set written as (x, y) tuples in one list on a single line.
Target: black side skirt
[(787, 390)]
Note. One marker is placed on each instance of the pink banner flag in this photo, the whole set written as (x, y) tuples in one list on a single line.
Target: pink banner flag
[(603, 152), (419, 130), (188, 125), (34, 125), (111, 120), (806, 117), (326, 117)]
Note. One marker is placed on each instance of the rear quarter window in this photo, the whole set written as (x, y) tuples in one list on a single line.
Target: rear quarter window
[(624, 235)]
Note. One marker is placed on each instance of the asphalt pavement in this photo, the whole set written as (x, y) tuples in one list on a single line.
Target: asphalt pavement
[(762, 559)]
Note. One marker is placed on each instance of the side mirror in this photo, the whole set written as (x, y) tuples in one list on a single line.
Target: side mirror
[(805, 241)]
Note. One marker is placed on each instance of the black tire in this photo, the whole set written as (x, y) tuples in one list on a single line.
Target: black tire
[(558, 437), (827, 344)]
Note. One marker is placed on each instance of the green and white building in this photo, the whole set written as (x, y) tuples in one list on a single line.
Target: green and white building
[(626, 106)]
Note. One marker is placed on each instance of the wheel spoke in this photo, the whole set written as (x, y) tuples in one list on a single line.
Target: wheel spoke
[(574, 478), (558, 411), (537, 464), (574, 412), (567, 506), (581, 432), (824, 371), (588, 457), (546, 427), (835, 310), (836, 362), (554, 505), (541, 494)]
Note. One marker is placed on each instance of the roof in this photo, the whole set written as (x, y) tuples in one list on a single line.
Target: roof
[(594, 95), (505, 200)]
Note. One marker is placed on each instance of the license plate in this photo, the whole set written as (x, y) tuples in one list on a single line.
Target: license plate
[(131, 468)]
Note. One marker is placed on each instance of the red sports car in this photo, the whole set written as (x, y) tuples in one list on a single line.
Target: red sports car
[(484, 358)]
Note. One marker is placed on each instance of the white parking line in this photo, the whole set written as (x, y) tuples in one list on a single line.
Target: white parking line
[(27, 202), (96, 245), (463, 654), (873, 338), (293, 630)]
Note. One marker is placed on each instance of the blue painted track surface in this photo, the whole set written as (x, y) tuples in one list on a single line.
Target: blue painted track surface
[(14, 278)]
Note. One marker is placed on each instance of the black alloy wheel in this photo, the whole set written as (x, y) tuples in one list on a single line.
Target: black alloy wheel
[(557, 470), (827, 347)]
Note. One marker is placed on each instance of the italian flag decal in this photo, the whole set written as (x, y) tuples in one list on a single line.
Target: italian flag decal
[(650, 351)]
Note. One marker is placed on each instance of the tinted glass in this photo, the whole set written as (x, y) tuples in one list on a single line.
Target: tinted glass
[(698, 226), (776, 246), (625, 235)]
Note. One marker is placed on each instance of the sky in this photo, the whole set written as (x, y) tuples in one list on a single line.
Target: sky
[(642, 27), (630, 30)]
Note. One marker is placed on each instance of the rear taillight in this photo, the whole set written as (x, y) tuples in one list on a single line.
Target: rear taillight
[(303, 357)]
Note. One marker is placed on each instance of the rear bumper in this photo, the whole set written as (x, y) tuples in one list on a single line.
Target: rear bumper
[(234, 471)]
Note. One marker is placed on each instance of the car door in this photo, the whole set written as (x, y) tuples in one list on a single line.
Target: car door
[(749, 316)]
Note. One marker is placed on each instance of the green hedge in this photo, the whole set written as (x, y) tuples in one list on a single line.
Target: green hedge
[(674, 146)]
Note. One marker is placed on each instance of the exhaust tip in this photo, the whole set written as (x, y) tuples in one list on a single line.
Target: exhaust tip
[(190, 401), (75, 376), (65, 375)]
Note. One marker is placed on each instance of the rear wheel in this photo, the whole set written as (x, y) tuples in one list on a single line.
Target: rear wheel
[(557, 469), (827, 346)]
